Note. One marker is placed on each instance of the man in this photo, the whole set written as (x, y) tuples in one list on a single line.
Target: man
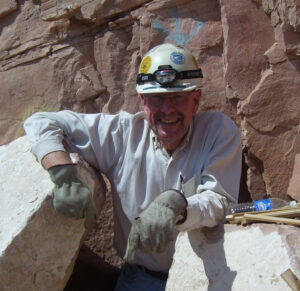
[(170, 168)]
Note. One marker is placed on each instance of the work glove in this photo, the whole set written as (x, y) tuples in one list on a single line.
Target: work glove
[(154, 229), (71, 196)]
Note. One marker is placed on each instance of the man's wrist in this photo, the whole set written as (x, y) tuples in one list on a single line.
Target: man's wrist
[(56, 159), (182, 217)]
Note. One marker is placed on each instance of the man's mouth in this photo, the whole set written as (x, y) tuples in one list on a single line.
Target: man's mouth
[(169, 119)]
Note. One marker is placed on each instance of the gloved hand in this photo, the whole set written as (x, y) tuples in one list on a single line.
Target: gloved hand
[(71, 196), (154, 229)]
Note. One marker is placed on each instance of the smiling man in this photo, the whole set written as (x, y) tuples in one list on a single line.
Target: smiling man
[(171, 169), (170, 115)]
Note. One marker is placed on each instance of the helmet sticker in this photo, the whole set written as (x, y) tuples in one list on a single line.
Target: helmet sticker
[(146, 65), (177, 58)]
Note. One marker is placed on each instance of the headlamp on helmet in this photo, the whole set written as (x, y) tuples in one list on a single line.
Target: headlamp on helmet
[(166, 76)]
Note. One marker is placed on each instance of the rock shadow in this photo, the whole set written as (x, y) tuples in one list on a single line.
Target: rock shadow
[(92, 273), (208, 244)]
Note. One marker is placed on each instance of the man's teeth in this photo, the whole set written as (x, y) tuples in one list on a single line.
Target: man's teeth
[(169, 121)]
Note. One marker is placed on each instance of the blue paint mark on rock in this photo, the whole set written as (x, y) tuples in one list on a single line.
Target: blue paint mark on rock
[(178, 36)]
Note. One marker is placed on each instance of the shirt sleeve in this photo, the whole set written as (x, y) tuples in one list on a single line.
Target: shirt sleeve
[(97, 138), (218, 183)]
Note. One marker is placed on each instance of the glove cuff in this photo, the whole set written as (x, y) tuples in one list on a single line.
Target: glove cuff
[(182, 216), (62, 173), (174, 200), (60, 166)]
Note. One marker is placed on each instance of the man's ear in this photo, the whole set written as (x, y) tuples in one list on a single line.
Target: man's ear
[(196, 96), (142, 98)]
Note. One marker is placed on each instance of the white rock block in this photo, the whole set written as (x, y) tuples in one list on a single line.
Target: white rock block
[(232, 257), (38, 246)]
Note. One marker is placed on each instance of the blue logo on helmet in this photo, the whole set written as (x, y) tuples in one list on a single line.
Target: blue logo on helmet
[(177, 58)]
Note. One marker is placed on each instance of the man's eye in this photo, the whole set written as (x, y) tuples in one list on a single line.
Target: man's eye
[(178, 99), (156, 99)]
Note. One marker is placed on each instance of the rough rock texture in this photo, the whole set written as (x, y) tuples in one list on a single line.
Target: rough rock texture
[(83, 55), (236, 258), (294, 185), (7, 6), (38, 246), (100, 239)]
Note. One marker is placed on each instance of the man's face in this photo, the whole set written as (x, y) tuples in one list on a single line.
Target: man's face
[(170, 115)]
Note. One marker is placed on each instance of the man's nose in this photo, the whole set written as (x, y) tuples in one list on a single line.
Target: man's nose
[(167, 106)]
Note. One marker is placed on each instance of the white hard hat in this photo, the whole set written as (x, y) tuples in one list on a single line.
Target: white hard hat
[(168, 68)]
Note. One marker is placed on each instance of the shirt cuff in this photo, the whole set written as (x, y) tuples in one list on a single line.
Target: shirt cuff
[(42, 148), (205, 209)]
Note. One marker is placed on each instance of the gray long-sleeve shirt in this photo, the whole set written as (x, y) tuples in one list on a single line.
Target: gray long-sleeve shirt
[(123, 147)]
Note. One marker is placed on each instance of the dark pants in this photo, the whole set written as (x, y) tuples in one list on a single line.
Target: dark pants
[(136, 278)]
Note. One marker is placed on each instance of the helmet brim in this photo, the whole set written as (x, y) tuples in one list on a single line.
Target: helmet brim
[(154, 87)]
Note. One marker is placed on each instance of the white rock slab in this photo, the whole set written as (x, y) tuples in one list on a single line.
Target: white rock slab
[(38, 246), (232, 257)]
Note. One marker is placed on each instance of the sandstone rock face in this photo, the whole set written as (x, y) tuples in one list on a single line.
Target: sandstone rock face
[(38, 246), (231, 257), (294, 185), (83, 55), (7, 6), (100, 239)]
